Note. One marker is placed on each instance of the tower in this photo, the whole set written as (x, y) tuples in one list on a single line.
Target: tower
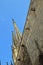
[(31, 40)]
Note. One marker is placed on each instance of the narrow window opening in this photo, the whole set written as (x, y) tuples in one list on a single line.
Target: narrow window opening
[(33, 9), (23, 45), (27, 28), (19, 59), (41, 58)]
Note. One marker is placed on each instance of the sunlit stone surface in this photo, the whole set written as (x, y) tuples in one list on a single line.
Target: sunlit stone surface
[(30, 44)]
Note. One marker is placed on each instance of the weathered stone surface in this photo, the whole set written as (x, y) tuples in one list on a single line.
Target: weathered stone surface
[(16, 42), (23, 58), (32, 35), (34, 22)]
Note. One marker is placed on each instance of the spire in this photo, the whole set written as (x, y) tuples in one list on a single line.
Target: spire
[(18, 34), (14, 39)]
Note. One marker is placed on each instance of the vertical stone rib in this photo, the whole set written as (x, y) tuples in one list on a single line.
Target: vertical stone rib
[(16, 42), (16, 29)]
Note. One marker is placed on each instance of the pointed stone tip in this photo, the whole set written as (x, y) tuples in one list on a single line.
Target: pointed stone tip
[(13, 21)]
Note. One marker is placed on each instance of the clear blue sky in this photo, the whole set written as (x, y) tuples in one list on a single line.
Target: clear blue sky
[(9, 9)]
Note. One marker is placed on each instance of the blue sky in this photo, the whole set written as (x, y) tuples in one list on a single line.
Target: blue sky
[(9, 9)]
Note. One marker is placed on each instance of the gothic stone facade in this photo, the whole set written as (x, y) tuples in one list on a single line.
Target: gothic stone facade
[(27, 48)]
